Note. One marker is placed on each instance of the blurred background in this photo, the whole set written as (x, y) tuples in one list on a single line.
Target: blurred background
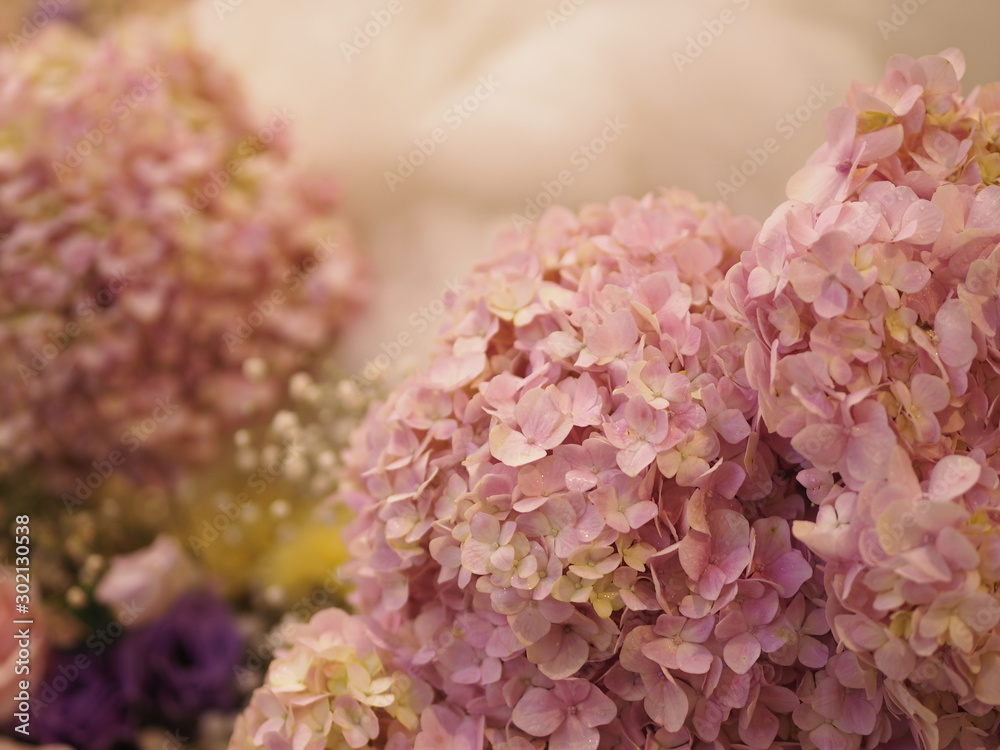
[(693, 86)]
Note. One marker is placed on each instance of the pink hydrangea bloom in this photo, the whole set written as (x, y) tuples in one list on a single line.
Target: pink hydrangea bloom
[(632, 566), (597, 547), (568, 715), (872, 295), (154, 238), (334, 683)]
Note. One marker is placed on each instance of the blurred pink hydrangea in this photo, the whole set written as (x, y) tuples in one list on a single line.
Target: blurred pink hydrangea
[(163, 267), (873, 297), (569, 525)]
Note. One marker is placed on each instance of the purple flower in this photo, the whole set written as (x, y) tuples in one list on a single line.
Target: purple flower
[(180, 666), (91, 712)]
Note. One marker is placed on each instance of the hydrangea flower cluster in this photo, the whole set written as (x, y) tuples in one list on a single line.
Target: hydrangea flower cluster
[(577, 528), (569, 526), (154, 237), (873, 297), (334, 687)]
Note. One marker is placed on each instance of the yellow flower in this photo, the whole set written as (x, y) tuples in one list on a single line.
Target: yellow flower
[(305, 559)]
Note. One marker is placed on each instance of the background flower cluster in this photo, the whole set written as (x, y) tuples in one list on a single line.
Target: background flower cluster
[(155, 238), (171, 286), (162, 654)]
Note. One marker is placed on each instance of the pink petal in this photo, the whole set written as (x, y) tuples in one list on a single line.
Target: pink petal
[(735, 563), (707, 719), (539, 712), (711, 583), (780, 699), (826, 737), (868, 450), (924, 565), (761, 610), (807, 279), (939, 73), (573, 692), (859, 632), (663, 651), (822, 444), (529, 624), (815, 183), (985, 212), (929, 392), (666, 703), (760, 729), (511, 447), (613, 337), (956, 548), (859, 714), (789, 572), (573, 653), (911, 277), (760, 281), (587, 403), (540, 419), (693, 552), (953, 326), (641, 512), (934, 623), (598, 709), (895, 659), (812, 653), (987, 688), (641, 417), (952, 477), (636, 457), (730, 531), (503, 558), (475, 558), (731, 625), (691, 469), (832, 302), (820, 181), (731, 425), (841, 127), (698, 631), (921, 224), (741, 653), (694, 658), (771, 539), (574, 734), (881, 143)]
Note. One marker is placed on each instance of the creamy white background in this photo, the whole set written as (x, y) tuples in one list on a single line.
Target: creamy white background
[(558, 83)]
